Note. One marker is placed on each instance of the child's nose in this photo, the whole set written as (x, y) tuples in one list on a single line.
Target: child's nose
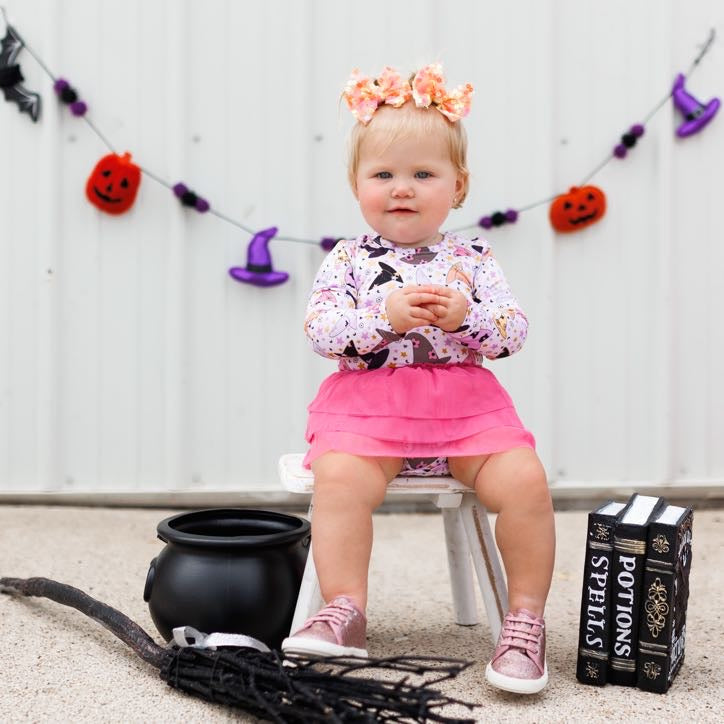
[(402, 190)]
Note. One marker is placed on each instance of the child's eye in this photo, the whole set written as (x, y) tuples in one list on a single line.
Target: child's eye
[(383, 174), (423, 174)]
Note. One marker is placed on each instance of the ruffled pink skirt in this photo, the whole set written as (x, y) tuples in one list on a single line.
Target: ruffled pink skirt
[(416, 411)]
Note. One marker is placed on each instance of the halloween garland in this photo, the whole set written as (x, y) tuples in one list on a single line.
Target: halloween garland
[(113, 183)]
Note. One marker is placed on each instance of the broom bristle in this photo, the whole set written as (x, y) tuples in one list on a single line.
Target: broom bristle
[(299, 689)]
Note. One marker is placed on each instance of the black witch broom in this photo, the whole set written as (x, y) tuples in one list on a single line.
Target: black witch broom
[(270, 685)]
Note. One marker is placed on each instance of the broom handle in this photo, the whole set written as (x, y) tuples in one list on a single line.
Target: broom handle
[(117, 623)]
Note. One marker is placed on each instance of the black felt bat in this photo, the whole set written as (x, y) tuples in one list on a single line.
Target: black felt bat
[(11, 77)]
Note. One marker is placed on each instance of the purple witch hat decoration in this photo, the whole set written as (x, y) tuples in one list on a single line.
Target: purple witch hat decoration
[(258, 268), (696, 115)]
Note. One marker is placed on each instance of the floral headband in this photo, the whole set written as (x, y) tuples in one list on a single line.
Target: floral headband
[(364, 94)]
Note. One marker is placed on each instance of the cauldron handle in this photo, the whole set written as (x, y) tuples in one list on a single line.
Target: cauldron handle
[(150, 576)]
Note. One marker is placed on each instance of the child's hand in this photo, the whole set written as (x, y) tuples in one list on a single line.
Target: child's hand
[(412, 307), (450, 308)]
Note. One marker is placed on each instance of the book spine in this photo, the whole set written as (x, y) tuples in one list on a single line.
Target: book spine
[(595, 622), (662, 632), (629, 554)]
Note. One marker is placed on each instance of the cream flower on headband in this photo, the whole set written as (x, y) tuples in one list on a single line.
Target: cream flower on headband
[(427, 88), (394, 90), (362, 95), (456, 104)]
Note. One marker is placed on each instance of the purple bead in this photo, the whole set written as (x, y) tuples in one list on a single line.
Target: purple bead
[(180, 189), (78, 108), (60, 85), (202, 205), (620, 151), (511, 215), (328, 243), (486, 222), (637, 130)]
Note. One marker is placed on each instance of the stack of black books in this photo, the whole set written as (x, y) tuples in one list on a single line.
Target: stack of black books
[(635, 590)]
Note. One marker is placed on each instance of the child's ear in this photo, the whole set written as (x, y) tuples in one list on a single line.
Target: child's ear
[(459, 184)]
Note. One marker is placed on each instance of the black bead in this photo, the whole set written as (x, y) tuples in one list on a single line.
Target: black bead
[(628, 140), (498, 218), (68, 95), (189, 198)]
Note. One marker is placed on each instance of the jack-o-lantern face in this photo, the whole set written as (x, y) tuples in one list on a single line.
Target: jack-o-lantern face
[(579, 208), (113, 185)]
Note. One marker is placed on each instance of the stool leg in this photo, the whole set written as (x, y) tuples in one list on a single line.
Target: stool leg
[(309, 600), (461, 576), (486, 562)]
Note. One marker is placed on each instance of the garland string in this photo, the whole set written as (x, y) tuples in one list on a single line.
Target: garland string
[(704, 50)]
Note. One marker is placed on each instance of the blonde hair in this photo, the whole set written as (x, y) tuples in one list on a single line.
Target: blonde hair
[(391, 124)]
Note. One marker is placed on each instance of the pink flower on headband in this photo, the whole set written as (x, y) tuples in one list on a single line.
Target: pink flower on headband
[(362, 95), (456, 104), (427, 88), (395, 91)]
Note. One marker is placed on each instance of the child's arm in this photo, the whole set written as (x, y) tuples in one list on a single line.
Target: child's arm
[(334, 324), (494, 324)]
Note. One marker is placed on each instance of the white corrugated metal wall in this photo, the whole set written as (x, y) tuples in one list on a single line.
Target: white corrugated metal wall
[(130, 361)]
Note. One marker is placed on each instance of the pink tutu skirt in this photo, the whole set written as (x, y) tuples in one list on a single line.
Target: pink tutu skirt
[(416, 411)]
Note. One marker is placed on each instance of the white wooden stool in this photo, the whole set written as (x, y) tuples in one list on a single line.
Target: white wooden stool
[(467, 535)]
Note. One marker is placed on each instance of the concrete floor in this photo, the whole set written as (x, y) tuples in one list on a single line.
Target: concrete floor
[(57, 665)]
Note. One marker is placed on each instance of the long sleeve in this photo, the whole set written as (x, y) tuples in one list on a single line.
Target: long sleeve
[(338, 323), (495, 325)]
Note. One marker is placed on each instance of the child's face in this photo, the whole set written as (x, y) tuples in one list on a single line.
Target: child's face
[(406, 191)]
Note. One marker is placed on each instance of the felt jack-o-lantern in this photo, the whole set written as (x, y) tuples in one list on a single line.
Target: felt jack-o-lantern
[(579, 208), (113, 185)]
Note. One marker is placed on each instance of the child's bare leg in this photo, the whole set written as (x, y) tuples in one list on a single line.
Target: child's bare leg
[(347, 488), (513, 484)]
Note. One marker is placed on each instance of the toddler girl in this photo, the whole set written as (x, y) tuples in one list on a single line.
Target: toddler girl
[(410, 313)]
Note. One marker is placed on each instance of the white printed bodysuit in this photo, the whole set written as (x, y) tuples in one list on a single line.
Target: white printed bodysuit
[(346, 317)]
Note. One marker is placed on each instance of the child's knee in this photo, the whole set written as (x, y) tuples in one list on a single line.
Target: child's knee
[(531, 477), (514, 480)]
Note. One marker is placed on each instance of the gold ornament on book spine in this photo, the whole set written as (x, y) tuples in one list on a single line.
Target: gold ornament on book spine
[(601, 532), (591, 671), (660, 544), (656, 607), (651, 670)]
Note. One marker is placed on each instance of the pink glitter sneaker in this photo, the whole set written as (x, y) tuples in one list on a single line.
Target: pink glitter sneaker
[(519, 660), (339, 629)]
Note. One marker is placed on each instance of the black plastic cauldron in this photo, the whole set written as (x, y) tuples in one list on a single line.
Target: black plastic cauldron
[(229, 570)]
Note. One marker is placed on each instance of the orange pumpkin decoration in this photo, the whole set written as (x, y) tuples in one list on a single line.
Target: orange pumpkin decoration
[(113, 185), (577, 209)]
